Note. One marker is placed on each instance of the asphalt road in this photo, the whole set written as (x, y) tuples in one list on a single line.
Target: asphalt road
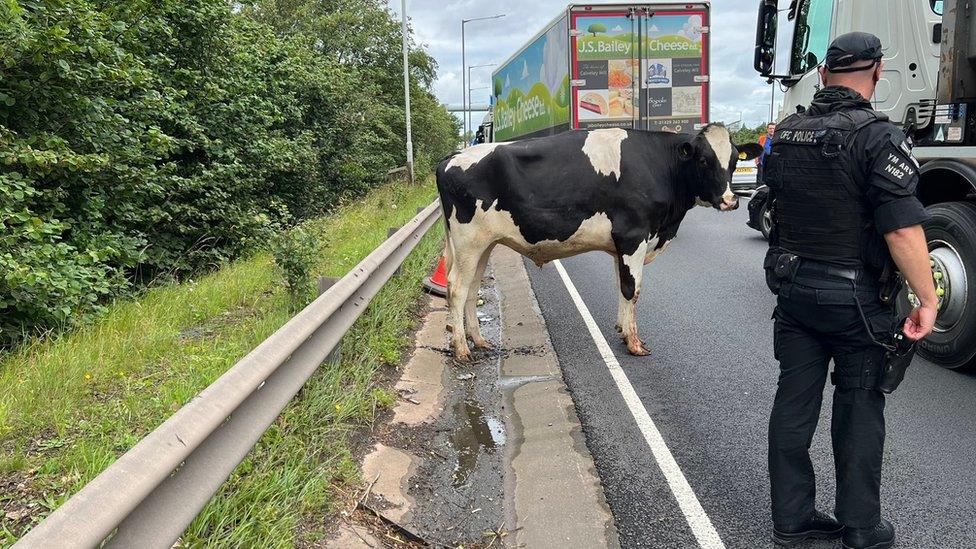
[(709, 386)]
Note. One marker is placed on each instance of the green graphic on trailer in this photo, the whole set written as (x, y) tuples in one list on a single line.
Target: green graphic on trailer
[(613, 37), (532, 90)]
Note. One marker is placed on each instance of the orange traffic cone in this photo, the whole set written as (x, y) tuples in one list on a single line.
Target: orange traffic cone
[(437, 282)]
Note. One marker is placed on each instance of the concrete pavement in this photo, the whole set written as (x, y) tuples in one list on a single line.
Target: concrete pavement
[(468, 444), (554, 493)]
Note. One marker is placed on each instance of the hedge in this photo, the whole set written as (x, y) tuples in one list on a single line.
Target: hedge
[(149, 139)]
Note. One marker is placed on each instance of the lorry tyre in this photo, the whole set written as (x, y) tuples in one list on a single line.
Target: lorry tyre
[(951, 235)]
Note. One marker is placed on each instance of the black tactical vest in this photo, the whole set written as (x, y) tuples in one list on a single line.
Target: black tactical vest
[(820, 208)]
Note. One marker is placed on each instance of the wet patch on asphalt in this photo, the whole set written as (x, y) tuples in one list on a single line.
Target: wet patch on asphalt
[(457, 488)]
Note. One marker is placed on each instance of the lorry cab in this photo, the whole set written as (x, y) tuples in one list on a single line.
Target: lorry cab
[(928, 86), (484, 134), (910, 31)]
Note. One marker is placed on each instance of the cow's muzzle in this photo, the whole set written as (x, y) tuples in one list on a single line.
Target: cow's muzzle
[(729, 204)]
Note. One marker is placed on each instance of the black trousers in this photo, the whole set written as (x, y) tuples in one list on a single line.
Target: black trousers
[(813, 327)]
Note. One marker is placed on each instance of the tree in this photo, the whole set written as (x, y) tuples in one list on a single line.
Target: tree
[(749, 135), (157, 138), (596, 28)]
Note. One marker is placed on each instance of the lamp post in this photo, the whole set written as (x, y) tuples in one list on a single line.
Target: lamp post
[(464, 85), (770, 110), (467, 113), (406, 88)]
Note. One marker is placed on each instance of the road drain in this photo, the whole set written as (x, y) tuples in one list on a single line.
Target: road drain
[(475, 433)]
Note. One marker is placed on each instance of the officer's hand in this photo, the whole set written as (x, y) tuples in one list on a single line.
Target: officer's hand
[(919, 324)]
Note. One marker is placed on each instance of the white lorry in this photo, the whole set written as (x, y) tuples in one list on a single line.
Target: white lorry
[(929, 87)]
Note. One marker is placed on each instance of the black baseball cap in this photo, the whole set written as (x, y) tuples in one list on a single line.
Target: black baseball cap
[(852, 47)]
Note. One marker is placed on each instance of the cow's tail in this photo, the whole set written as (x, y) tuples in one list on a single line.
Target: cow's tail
[(448, 262)]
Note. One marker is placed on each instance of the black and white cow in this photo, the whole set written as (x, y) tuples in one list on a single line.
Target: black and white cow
[(620, 191)]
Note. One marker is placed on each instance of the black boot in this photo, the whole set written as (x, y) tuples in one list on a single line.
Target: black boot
[(821, 526), (881, 536)]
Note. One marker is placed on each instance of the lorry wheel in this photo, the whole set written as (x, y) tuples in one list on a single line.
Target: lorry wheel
[(766, 221), (951, 234)]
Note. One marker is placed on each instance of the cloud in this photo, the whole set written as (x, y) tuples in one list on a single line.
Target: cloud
[(735, 86), (618, 28)]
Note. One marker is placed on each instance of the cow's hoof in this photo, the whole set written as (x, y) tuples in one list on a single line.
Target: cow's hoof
[(640, 351), (481, 343), (636, 347), (450, 329), (462, 353)]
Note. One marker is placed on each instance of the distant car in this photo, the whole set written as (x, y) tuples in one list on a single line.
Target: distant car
[(759, 217), (744, 178)]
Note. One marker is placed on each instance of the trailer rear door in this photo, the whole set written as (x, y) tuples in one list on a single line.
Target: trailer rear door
[(640, 66)]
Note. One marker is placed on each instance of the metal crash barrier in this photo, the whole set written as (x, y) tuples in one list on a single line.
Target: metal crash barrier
[(149, 496)]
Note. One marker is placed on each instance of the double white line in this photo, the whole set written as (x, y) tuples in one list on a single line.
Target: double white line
[(701, 525)]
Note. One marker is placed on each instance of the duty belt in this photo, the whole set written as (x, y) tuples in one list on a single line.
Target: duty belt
[(827, 277), (824, 277)]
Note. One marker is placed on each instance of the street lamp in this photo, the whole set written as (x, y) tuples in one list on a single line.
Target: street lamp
[(464, 85), (770, 110), (406, 88), (467, 113)]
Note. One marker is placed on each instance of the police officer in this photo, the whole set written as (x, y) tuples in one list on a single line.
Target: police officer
[(842, 179)]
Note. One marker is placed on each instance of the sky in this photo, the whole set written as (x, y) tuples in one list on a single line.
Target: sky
[(736, 88)]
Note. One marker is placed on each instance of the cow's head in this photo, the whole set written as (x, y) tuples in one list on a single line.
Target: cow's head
[(710, 157)]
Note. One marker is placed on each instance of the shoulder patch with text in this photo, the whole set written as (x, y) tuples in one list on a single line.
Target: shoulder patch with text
[(897, 167)]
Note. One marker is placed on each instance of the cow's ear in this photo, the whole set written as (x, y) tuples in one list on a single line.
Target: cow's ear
[(749, 151), (686, 150)]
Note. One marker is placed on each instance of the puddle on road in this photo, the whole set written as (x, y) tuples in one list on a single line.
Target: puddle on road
[(475, 433)]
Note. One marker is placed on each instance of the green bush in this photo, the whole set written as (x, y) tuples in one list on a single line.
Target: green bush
[(155, 138), (294, 255)]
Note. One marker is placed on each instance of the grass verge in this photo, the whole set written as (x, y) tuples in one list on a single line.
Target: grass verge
[(70, 406)]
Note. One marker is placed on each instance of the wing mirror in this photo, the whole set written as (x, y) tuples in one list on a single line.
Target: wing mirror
[(766, 37)]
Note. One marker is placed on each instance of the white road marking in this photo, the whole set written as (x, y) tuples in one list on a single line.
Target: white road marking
[(701, 525)]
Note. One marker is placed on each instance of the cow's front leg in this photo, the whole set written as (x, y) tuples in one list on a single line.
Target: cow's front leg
[(471, 323), (630, 272)]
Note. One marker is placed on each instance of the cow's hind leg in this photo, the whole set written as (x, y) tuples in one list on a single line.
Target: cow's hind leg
[(460, 280), (623, 304), (471, 323), (448, 265), (630, 270)]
